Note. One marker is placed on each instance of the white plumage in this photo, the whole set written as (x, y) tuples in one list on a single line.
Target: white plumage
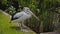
[(23, 15)]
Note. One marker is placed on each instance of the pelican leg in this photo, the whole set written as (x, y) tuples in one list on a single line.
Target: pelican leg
[(23, 26), (19, 24)]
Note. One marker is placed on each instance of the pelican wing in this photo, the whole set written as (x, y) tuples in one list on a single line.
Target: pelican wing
[(18, 15)]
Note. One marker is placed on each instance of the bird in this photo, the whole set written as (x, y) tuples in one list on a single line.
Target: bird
[(19, 17)]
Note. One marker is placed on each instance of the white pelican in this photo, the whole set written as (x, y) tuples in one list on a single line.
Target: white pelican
[(23, 15)]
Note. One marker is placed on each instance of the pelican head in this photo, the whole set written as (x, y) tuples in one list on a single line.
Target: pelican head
[(26, 9)]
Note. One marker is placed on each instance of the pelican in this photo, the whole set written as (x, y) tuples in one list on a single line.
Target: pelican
[(23, 15)]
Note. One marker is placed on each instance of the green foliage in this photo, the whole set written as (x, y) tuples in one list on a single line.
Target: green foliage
[(4, 2), (11, 10), (41, 9), (5, 26)]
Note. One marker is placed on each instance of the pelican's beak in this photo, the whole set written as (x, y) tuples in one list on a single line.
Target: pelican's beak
[(34, 15)]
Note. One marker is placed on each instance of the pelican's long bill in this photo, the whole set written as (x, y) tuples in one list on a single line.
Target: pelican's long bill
[(34, 15)]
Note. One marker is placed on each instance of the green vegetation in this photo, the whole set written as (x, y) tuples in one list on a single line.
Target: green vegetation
[(5, 26), (45, 10)]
